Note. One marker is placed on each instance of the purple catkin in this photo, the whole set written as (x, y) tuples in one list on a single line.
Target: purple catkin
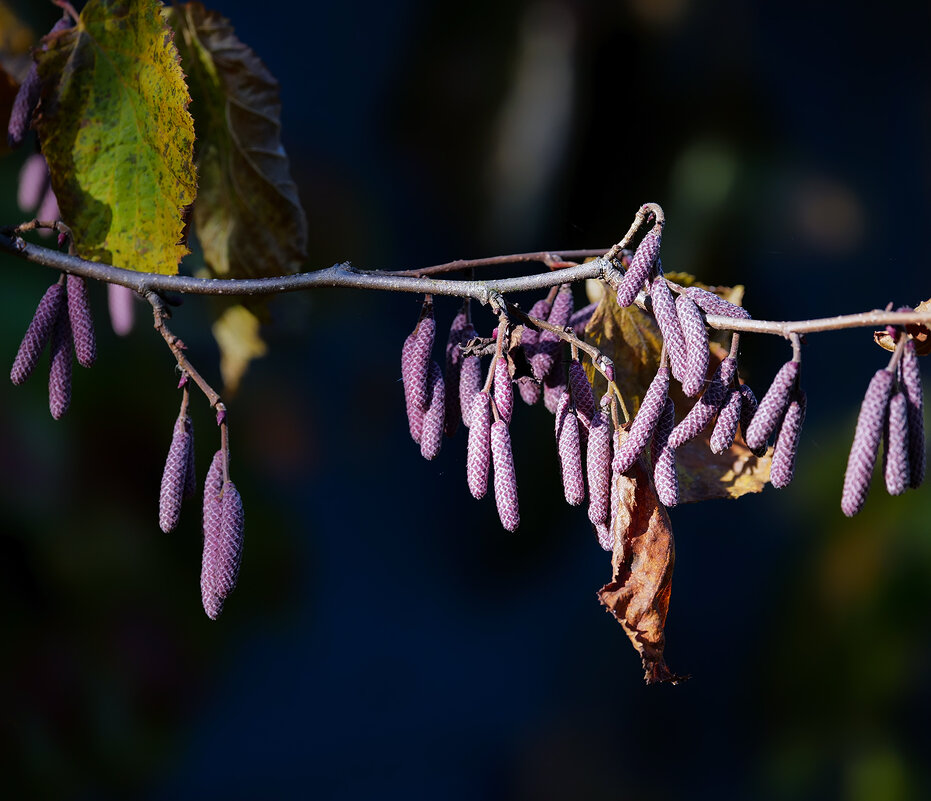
[(598, 469), (82, 324), (470, 384), (725, 428), (783, 465), (710, 303), (457, 335), (415, 364), (707, 406), (505, 479), (866, 439), (503, 390), (554, 385), (174, 477), (213, 485), (896, 470), (190, 473), (530, 390), (696, 345), (640, 267), (48, 210), (121, 305), (531, 336), (478, 455), (911, 384), (665, 478), (229, 553), (641, 429), (431, 436), (770, 410), (23, 107), (547, 352), (59, 377), (582, 396), (569, 450), (38, 333), (578, 322), (664, 310), (33, 182), (748, 407), (607, 542)]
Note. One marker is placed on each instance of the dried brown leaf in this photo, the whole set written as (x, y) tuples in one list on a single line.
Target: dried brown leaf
[(920, 333), (644, 556)]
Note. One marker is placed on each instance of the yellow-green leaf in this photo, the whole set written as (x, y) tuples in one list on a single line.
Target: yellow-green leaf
[(117, 135), (248, 217)]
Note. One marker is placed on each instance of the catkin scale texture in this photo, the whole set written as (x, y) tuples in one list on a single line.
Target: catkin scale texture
[(569, 450), (911, 384), (784, 453), (640, 266), (770, 410), (504, 390), (582, 396), (866, 439), (213, 485), (696, 345), (505, 479), (478, 449), (415, 365), (59, 377), (547, 352), (24, 104), (896, 446), (667, 318), (174, 476), (470, 384), (460, 331), (725, 427), (82, 324), (710, 303), (431, 436), (229, 553), (38, 333), (554, 384), (707, 406), (598, 469), (665, 477), (641, 429)]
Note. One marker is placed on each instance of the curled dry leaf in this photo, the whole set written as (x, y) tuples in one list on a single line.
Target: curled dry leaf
[(644, 556), (920, 334)]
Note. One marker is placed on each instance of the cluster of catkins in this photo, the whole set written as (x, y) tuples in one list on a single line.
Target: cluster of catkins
[(223, 519), (64, 317), (892, 412), (724, 403), (436, 402)]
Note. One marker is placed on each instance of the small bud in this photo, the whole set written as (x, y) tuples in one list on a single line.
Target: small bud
[(783, 466), (866, 439), (431, 439), (568, 447), (505, 479), (82, 324), (710, 303), (640, 267), (59, 379), (895, 445), (772, 407), (478, 451), (38, 333), (641, 429), (664, 310), (504, 390), (696, 345)]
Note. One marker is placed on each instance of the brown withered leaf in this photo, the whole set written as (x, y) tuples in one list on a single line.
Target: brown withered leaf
[(642, 564), (918, 332), (631, 338)]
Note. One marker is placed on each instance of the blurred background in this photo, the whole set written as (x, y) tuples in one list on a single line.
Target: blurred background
[(388, 639)]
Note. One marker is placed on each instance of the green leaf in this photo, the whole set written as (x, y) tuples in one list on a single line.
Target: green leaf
[(248, 217), (117, 135)]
